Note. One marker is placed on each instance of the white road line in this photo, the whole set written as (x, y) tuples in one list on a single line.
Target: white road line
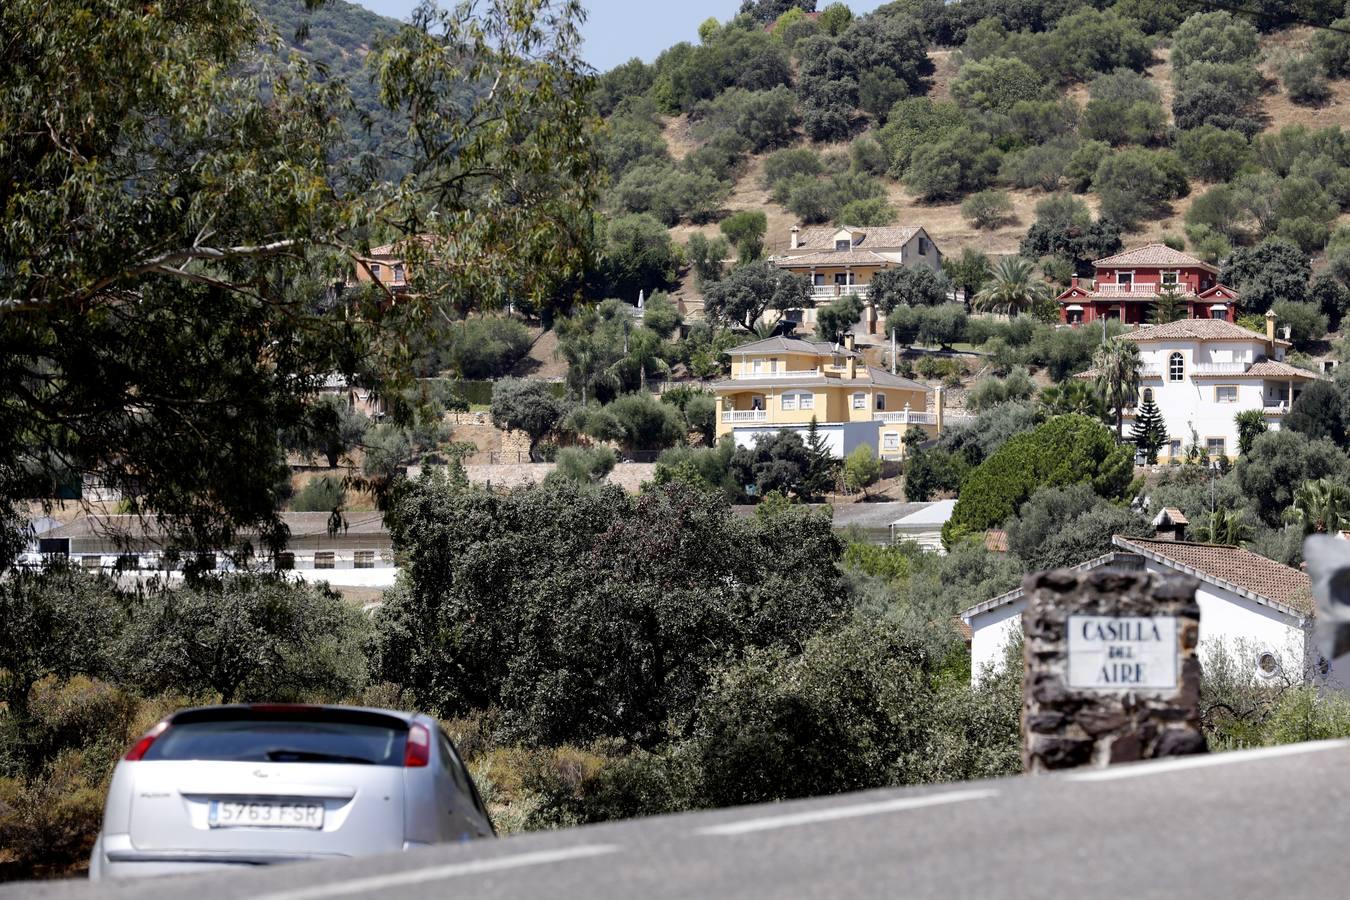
[(832, 814), (1162, 767), (441, 873)]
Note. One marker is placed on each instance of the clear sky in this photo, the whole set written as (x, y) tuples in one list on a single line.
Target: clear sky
[(618, 30)]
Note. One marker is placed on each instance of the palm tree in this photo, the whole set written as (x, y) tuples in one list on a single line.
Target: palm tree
[(1251, 424), (1321, 506), (1224, 526), (642, 356), (587, 367), (1118, 371), (1013, 286), (1074, 396)]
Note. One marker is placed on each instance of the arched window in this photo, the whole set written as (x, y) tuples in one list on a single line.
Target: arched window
[(1148, 395), (1176, 367)]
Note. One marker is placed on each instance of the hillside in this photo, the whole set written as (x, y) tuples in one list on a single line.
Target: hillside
[(338, 36), (1018, 108), (944, 220)]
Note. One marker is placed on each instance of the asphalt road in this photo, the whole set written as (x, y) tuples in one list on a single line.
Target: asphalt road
[(1264, 823)]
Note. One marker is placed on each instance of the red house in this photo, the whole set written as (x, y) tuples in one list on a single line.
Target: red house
[(1127, 285)]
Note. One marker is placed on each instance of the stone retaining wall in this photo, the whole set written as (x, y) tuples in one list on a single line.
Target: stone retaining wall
[(628, 476)]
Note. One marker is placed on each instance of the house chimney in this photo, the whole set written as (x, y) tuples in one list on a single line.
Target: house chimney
[(848, 340), (1270, 324), (1073, 281), (1170, 525), (796, 237)]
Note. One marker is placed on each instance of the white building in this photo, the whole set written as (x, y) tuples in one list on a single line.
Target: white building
[(1254, 606), (1202, 372), (924, 526), (358, 554)]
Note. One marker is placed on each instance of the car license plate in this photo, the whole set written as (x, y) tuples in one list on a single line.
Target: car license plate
[(254, 814)]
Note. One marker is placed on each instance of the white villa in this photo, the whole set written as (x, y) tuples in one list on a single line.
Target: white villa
[(1257, 608), (1202, 372)]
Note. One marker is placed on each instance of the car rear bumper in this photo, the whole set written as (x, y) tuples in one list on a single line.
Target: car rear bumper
[(115, 857)]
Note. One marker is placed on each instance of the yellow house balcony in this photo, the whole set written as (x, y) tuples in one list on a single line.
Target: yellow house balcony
[(741, 416)]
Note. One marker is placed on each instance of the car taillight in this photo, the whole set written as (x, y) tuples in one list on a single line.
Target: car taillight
[(138, 749), (417, 752)]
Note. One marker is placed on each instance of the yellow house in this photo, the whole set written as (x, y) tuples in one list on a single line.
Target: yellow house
[(784, 382)]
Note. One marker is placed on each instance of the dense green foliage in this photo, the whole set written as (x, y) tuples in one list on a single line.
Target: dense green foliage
[(1065, 450)]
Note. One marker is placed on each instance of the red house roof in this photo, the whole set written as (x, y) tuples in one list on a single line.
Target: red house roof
[(1151, 255)]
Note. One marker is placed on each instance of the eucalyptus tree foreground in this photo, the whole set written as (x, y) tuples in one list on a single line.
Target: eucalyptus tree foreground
[(178, 203)]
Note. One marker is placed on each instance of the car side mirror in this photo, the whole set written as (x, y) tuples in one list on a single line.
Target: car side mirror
[(1328, 560)]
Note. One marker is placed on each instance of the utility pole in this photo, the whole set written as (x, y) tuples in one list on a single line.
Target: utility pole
[(892, 351)]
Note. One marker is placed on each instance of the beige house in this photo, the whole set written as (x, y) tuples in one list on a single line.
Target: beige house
[(784, 382), (843, 260)]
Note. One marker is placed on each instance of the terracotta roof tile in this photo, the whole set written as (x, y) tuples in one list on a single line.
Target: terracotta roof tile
[(963, 628), (880, 237), (1195, 330), (780, 344), (996, 541), (833, 258), (1272, 369), (1236, 566), (1153, 255)]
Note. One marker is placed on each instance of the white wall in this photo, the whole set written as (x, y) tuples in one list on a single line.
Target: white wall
[(1191, 402), (841, 437), (992, 630), (1225, 618), (380, 578)]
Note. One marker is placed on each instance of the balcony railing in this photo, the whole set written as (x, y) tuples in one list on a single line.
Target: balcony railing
[(827, 292), (1224, 368), (781, 373), (907, 417), (1181, 289), (745, 415), (912, 417)]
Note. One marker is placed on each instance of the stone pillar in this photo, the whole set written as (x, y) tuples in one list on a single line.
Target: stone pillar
[(1111, 673)]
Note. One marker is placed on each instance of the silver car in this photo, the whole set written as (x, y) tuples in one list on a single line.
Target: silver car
[(265, 783)]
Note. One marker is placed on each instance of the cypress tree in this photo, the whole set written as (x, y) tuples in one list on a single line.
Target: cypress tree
[(820, 474), (1150, 433)]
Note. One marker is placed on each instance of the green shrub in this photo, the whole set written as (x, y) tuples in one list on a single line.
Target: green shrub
[(243, 638), (995, 84), (1041, 166), (987, 209), (322, 494), (764, 119), (1213, 154), (862, 213), (1304, 82), (584, 465), (661, 315), (488, 347), (1136, 184), (1065, 450), (862, 469)]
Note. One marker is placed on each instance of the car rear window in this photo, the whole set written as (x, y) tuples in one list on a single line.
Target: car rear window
[(304, 738)]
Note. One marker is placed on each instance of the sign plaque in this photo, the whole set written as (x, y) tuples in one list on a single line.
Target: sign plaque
[(1122, 653)]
